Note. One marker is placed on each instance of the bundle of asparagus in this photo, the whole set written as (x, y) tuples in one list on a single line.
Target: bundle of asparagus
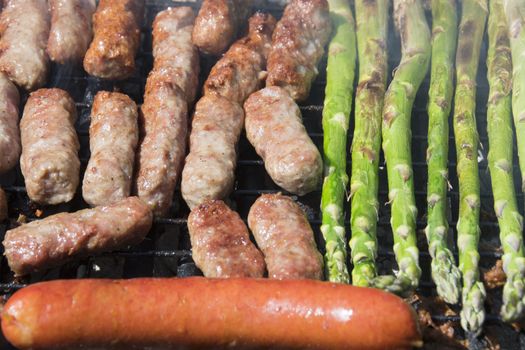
[(336, 118), (372, 25), (472, 26)]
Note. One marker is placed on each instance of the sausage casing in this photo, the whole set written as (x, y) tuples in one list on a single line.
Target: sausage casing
[(71, 29), (274, 127), (116, 39), (10, 146), (49, 160), (62, 237), (285, 237), (24, 28), (113, 138), (218, 313), (220, 242)]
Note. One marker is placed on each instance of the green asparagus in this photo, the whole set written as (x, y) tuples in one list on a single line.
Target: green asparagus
[(415, 41), (474, 15), (372, 25), (499, 123), (445, 273), (336, 118)]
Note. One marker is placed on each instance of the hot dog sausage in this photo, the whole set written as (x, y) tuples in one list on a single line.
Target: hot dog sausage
[(220, 313), (10, 146)]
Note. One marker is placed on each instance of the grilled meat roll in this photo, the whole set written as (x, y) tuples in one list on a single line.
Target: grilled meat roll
[(10, 147), (220, 242), (113, 138), (71, 30), (49, 160), (59, 238), (24, 29)]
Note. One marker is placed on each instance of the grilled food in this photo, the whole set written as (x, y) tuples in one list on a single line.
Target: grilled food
[(3, 205), (285, 237), (218, 22), (52, 241), (10, 146), (116, 39), (220, 242), (113, 138), (24, 28), (49, 160), (71, 30)]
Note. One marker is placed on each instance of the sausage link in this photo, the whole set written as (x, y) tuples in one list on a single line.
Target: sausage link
[(24, 28), (113, 138), (298, 45), (10, 147), (59, 238), (116, 39), (49, 160), (274, 127), (218, 22), (220, 242), (3, 205), (285, 237), (71, 29), (198, 312)]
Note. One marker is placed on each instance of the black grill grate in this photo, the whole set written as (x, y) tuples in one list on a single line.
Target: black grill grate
[(166, 251)]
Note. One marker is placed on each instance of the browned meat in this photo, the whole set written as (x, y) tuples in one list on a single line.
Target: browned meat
[(3, 205), (71, 30), (274, 127), (66, 236), (298, 45), (209, 171), (116, 39), (240, 71), (10, 147), (113, 138), (221, 243), (218, 22), (49, 160), (285, 237), (24, 28)]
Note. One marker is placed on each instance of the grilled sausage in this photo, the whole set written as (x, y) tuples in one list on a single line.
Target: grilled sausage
[(10, 147), (219, 313), (210, 166), (3, 205), (116, 39), (49, 160), (218, 22), (298, 45), (285, 237), (71, 30), (220, 242), (52, 241), (274, 127), (24, 28), (113, 138)]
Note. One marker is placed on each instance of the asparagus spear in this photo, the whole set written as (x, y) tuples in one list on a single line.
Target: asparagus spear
[(444, 37), (499, 123), (372, 25), (415, 41), (515, 12), (336, 118), (474, 15)]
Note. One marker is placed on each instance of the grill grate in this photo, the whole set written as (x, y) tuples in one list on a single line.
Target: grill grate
[(166, 250)]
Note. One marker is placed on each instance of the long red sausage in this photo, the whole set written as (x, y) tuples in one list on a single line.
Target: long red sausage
[(246, 313)]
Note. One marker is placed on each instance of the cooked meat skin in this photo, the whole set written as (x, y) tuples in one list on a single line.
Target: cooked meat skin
[(3, 205), (24, 28), (209, 171), (298, 45), (116, 39), (217, 24), (113, 138), (220, 242), (10, 147), (49, 160), (71, 29), (285, 237), (274, 127), (238, 73), (59, 238)]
